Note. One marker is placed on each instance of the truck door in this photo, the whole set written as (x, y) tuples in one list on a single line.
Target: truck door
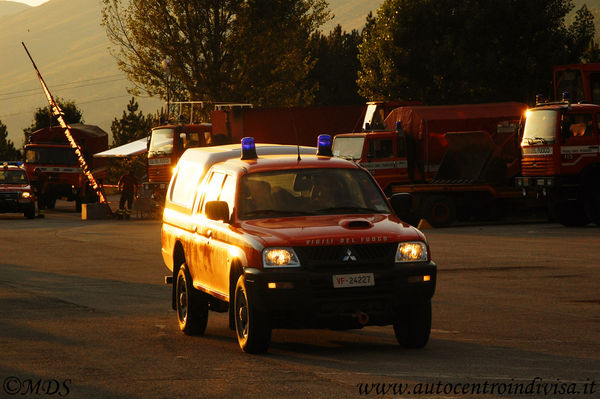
[(212, 237), (580, 142), (386, 160)]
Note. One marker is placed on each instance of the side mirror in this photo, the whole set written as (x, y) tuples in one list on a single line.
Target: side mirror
[(402, 204), (217, 210)]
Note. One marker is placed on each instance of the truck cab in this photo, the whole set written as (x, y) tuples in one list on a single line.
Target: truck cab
[(561, 160), (166, 144), (279, 237)]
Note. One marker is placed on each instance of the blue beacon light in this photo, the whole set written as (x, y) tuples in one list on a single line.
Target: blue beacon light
[(248, 148), (324, 145)]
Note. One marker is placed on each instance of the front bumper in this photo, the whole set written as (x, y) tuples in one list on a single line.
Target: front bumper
[(308, 299)]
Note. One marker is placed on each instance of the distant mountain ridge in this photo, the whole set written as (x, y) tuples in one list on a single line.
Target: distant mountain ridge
[(11, 7)]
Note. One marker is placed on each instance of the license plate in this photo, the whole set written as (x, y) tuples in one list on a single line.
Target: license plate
[(353, 280)]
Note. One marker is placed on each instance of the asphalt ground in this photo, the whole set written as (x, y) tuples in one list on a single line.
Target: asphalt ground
[(84, 313)]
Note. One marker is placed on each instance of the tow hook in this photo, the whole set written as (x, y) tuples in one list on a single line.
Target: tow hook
[(362, 318)]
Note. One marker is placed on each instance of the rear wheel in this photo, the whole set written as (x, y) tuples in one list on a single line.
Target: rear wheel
[(570, 213), (190, 304), (592, 202), (251, 326), (413, 327), (439, 210)]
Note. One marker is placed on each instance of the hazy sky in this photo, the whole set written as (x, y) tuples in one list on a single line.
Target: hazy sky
[(31, 2)]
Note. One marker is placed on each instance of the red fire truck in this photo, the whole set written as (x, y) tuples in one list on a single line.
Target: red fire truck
[(581, 81), (456, 160), (49, 151), (561, 160)]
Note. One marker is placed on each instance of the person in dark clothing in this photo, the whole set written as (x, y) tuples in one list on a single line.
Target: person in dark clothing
[(128, 185), (40, 185)]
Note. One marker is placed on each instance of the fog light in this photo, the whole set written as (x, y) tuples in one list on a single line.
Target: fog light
[(419, 279), (280, 285)]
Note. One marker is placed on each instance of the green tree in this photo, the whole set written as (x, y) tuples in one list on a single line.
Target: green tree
[(8, 152), (132, 126), (232, 50), (336, 67), (451, 51), (43, 116)]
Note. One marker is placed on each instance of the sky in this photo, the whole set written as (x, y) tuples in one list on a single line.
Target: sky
[(31, 2)]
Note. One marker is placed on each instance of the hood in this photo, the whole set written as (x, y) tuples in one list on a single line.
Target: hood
[(15, 187), (331, 230)]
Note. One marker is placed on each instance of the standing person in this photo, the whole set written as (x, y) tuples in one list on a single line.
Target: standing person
[(128, 185), (41, 189)]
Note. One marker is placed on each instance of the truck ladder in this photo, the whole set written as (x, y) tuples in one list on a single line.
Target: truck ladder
[(59, 114)]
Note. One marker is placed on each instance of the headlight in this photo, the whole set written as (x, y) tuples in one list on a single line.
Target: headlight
[(411, 252), (26, 195), (280, 257)]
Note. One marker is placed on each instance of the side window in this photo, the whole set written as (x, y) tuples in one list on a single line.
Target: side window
[(577, 125), (382, 148), (213, 189), (228, 193)]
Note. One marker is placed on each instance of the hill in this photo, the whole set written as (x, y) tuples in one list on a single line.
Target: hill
[(11, 7), (71, 50)]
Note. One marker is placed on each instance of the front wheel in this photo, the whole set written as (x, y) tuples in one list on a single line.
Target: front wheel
[(413, 327), (190, 304), (30, 212), (253, 332)]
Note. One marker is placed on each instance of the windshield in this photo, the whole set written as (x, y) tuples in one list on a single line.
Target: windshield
[(161, 142), (51, 156), (540, 127), (309, 192), (348, 147), (13, 177)]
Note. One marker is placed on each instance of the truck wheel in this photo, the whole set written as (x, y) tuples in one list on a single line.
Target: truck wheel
[(50, 202), (413, 327), (439, 210), (592, 203), (30, 212), (191, 305), (253, 332), (570, 213)]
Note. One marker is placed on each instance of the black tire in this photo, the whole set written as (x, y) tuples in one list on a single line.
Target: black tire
[(30, 212), (592, 202), (570, 213), (251, 326), (412, 328), (190, 304), (50, 202), (439, 210)]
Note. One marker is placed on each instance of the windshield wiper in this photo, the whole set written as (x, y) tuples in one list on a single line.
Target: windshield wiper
[(273, 212), (533, 140), (349, 209)]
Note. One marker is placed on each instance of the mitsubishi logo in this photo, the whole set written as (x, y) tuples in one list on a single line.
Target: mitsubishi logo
[(349, 256)]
